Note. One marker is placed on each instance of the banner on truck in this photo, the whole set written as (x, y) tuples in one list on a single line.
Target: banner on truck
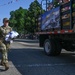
[(50, 19)]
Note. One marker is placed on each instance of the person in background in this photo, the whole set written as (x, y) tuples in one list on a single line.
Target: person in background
[(4, 45)]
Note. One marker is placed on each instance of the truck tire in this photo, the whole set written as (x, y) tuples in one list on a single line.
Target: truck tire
[(51, 47)]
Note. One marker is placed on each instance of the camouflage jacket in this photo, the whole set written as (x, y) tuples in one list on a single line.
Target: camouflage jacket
[(3, 31)]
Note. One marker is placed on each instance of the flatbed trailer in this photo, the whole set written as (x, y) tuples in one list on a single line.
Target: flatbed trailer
[(60, 34)]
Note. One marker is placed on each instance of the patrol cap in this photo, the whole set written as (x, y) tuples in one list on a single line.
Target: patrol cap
[(5, 20)]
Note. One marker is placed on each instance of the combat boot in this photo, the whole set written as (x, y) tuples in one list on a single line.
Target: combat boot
[(6, 66), (2, 63)]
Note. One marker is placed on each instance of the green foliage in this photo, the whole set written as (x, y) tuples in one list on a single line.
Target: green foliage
[(25, 20), (73, 5), (56, 3), (34, 12), (17, 19)]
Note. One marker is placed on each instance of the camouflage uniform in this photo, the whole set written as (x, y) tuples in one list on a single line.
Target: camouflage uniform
[(4, 46)]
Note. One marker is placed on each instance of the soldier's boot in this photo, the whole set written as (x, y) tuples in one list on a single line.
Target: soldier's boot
[(2, 63), (6, 66)]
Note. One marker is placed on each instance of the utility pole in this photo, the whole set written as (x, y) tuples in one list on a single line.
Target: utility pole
[(46, 5)]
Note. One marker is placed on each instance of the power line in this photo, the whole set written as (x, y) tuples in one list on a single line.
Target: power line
[(10, 2)]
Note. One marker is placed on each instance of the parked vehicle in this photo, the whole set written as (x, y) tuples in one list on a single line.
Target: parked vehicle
[(57, 29)]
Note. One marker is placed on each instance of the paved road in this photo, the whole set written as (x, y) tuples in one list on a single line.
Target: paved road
[(27, 58)]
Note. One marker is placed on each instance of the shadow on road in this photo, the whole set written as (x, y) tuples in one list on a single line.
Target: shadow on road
[(26, 59)]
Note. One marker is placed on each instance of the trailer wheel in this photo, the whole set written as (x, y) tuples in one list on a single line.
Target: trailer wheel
[(51, 47)]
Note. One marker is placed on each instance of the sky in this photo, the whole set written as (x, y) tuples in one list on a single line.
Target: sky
[(8, 7)]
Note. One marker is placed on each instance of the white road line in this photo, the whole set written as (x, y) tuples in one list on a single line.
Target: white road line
[(28, 45), (42, 65), (35, 44)]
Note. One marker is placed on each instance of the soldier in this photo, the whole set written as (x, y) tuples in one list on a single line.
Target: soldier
[(4, 46)]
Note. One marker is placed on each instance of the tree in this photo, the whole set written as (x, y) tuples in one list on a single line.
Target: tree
[(34, 12), (17, 19), (25, 20)]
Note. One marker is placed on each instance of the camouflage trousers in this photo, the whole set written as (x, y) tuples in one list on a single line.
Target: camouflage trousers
[(4, 51)]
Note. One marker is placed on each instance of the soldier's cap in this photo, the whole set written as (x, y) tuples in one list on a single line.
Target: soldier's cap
[(5, 20)]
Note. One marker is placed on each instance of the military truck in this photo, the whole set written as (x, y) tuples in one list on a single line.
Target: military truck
[(57, 29)]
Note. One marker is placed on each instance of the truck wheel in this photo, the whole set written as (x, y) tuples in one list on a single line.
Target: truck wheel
[(49, 47)]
